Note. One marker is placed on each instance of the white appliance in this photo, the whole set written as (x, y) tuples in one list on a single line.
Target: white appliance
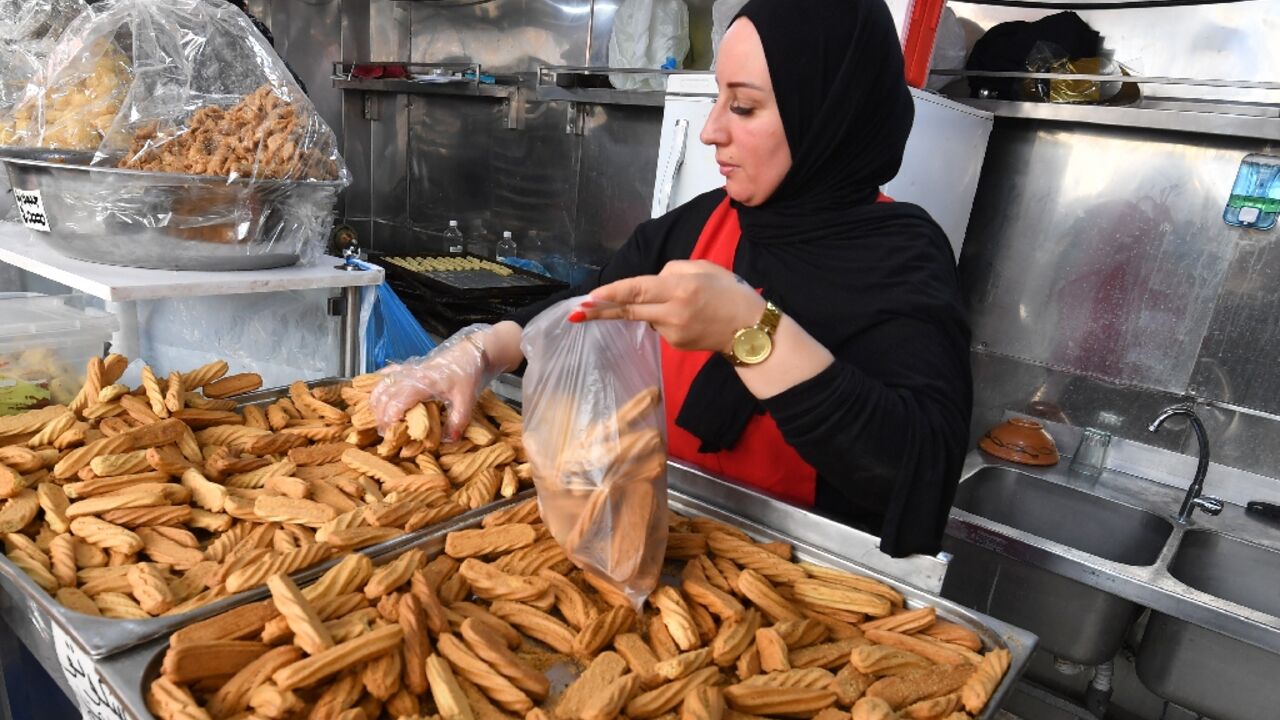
[(939, 170)]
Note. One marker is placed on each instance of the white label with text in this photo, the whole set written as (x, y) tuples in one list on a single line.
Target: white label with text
[(96, 700), (31, 209)]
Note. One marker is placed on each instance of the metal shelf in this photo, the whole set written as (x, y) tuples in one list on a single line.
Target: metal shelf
[(465, 79), (560, 82), (1162, 114), (413, 87), (601, 96), (1183, 114)]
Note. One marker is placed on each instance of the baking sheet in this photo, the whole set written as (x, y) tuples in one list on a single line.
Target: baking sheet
[(130, 673), (100, 637)]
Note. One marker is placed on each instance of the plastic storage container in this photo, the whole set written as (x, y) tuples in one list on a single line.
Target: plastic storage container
[(45, 343)]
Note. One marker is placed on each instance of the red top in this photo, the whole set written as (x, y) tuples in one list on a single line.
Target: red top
[(762, 459)]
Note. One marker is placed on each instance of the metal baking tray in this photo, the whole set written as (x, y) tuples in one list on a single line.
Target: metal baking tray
[(130, 673), (521, 284), (25, 602), (169, 221)]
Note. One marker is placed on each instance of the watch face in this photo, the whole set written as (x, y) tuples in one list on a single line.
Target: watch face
[(752, 345)]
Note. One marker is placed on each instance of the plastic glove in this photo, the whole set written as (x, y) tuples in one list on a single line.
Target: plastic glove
[(455, 373)]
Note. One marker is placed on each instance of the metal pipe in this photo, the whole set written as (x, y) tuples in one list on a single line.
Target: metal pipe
[(350, 331)]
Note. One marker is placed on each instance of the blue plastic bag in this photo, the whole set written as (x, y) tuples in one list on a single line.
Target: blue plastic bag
[(392, 334)]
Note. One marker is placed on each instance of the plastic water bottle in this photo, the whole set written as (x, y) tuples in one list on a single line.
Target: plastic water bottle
[(506, 246), (453, 242)]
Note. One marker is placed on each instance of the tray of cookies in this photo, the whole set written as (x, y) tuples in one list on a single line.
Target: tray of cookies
[(131, 512), (489, 620)]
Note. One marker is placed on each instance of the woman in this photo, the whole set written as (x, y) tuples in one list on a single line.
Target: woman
[(858, 404)]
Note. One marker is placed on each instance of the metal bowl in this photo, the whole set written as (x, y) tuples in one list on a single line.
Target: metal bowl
[(173, 222)]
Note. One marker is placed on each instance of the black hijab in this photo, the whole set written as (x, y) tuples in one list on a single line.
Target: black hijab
[(837, 72)]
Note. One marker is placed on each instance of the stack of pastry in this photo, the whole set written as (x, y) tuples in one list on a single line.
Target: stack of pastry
[(744, 633), (603, 491), (138, 502)]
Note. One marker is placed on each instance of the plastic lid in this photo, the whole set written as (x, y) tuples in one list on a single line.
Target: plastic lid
[(49, 319)]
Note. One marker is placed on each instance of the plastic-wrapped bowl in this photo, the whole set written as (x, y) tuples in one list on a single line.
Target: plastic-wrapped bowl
[(175, 222)]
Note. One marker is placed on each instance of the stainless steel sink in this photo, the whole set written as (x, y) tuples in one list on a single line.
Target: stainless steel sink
[(1230, 568), (1073, 558), (1204, 670), (1077, 519), (1074, 621)]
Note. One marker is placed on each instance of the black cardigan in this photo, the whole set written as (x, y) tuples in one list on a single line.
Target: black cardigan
[(886, 425)]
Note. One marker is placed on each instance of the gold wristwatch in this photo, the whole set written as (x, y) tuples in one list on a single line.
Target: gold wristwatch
[(753, 345)]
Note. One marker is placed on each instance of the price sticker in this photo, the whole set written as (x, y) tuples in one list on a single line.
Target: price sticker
[(96, 700), (31, 209)]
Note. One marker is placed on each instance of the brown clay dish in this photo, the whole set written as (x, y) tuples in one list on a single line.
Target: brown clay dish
[(1021, 441)]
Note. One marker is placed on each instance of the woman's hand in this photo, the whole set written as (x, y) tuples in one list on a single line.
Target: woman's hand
[(455, 373), (693, 304)]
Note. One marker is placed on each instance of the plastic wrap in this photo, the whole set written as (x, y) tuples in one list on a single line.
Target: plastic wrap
[(1047, 57), (189, 92), (28, 31), (282, 336), (595, 433), (648, 34)]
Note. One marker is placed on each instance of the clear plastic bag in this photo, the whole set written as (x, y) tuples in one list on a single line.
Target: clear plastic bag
[(28, 31), (242, 172), (648, 34), (205, 94), (1048, 57), (595, 433)]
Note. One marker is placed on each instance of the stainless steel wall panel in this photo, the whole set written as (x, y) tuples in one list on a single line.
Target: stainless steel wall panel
[(386, 237), (614, 195), (1238, 362), (389, 34), (464, 165), (1100, 251), (503, 35), (1240, 440), (308, 35), (449, 146), (356, 29), (601, 29), (1234, 41), (1008, 384), (354, 135), (535, 178), (389, 157)]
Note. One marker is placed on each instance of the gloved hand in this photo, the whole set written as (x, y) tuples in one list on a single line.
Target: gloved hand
[(456, 372)]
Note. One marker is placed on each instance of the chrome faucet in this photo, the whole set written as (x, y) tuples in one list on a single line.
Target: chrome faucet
[(1193, 499)]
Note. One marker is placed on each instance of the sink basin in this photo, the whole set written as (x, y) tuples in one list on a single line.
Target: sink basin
[(1203, 670), (1074, 621), (1101, 527), (1230, 568)]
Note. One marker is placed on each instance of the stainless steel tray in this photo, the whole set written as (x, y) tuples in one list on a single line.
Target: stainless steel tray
[(175, 222), (25, 603), (128, 674)]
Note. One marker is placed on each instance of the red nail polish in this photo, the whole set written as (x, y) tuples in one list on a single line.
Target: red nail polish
[(587, 304), (577, 316)]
